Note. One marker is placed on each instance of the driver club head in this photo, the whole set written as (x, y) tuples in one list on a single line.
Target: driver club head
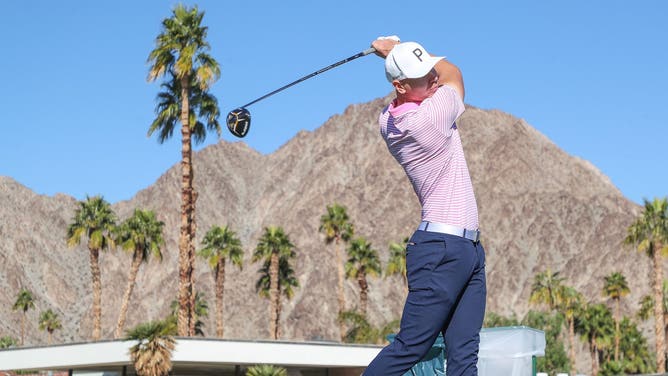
[(238, 122)]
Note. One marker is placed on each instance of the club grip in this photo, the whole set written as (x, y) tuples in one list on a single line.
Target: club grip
[(368, 51)]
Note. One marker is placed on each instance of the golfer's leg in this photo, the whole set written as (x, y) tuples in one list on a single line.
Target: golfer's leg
[(462, 333), (420, 325), (437, 274)]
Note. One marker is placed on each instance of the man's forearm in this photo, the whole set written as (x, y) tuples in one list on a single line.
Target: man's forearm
[(449, 74)]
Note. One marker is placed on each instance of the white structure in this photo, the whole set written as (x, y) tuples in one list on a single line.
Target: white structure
[(195, 354), (507, 351)]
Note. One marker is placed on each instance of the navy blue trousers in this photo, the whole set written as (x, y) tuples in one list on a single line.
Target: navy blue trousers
[(446, 294)]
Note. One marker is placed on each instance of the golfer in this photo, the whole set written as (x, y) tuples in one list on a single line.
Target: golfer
[(445, 261)]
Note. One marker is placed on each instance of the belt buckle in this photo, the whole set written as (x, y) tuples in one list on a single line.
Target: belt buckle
[(475, 235)]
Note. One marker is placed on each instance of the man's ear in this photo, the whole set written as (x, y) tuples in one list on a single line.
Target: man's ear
[(399, 87)]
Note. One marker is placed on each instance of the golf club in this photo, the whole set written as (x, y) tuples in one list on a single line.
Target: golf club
[(239, 119)]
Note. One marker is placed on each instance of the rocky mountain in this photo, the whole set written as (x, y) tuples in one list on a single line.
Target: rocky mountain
[(539, 208)]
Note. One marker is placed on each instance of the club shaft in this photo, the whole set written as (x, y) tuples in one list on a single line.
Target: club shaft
[(363, 53)]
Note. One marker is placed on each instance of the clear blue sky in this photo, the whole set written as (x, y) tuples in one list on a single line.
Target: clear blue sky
[(590, 75)]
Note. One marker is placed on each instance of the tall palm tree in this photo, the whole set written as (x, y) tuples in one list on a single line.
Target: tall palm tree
[(49, 321), (546, 288), (337, 227), (649, 234), (181, 52), (396, 264), (152, 354), (221, 244), (95, 221), (362, 262), (287, 282), (615, 288), (140, 234), (595, 325), (570, 304), (24, 302), (273, 246)]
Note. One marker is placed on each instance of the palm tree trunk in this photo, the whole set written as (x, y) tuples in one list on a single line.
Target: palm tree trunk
[(617, 330), (273, 293), (132, 278), (23, 327), (50, 337), (571, 340), (364, 288), (658, 312), (405, 284), (186, 306), (340, 290), (594, 356), (97, 293), (220, 284), (193, 229)]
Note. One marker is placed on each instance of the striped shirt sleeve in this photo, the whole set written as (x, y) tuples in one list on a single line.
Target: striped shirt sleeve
[(443, 108)]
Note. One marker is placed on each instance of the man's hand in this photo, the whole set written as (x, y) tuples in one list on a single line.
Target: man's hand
[(384, 45)]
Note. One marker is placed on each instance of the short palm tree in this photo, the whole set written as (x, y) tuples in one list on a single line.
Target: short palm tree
[(140, 234), (570, 305), (152, 354), (649, 234), (336, 226), (49, 321), (221, 244), (95, 221), (7, 342), (266, 370), (616, 288), (596, 327), (181, 53), (201, 311), (24, 302), (273, 246), (396, 264), (361, 331), (362, 262), (546, 288)]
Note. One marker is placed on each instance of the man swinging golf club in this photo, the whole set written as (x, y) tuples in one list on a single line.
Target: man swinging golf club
[(445, 261)]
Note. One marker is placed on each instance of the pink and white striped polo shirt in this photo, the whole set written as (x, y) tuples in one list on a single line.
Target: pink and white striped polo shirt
[(424, 139)]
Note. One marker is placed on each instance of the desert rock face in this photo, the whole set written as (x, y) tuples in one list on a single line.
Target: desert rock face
[(539, 207)]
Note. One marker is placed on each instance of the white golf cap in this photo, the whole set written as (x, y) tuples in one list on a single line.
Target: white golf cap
[(408, 60)]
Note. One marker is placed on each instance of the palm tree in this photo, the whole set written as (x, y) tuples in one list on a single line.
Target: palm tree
[(595, 325), (570, 305), (49, 321), (649, 234), (337, 227), (201, 310), (273, 246), (140, 234), (362, 262), (287, 282), (181, 52), (7, 342), (266, 370), (361, 331), (615, 288), (220, 244), (396, 264), (24, 302), (152, 354), (94, 220), (545, 289)]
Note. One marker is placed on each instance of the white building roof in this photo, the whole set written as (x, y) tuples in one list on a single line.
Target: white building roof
[(204, 352)]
